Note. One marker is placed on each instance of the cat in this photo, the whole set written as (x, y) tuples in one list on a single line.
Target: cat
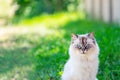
[(83, 62)]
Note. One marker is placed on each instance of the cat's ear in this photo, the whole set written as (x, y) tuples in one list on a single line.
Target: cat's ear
[(91, 35), (74, 36)]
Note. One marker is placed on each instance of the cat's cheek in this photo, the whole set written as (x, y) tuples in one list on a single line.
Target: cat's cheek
[(92, 50), (79, 51), (74, 46)]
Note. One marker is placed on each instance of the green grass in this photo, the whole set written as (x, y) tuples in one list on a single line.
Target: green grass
[(41, 52)]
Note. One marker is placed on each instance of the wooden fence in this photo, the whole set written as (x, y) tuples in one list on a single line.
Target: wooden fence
[(107, 10)]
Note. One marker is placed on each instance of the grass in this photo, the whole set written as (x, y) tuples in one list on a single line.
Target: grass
[(39, 52)]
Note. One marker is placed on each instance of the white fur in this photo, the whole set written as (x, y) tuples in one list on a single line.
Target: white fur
[(81, 66)]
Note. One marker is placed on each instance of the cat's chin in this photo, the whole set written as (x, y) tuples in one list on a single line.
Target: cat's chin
[(84, 52)]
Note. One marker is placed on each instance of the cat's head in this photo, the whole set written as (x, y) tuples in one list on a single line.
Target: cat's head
[(84, 43)]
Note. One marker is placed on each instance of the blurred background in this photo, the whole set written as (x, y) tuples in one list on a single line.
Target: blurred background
[(35, 36)]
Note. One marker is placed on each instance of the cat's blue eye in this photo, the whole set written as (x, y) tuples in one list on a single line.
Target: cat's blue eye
[(79, 46)]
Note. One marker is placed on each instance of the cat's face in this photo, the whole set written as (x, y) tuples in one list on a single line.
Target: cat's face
[(84, 43)]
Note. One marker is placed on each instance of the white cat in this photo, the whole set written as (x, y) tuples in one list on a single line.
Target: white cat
[(83, 62)]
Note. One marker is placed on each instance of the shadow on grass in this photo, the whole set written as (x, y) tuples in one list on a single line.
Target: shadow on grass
[(16, 61), (12, 58), (51, 56)]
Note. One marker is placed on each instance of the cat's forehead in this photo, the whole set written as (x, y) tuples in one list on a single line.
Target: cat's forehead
[(82, 35)]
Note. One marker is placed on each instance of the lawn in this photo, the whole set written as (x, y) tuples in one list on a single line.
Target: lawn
[(37, 49)]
